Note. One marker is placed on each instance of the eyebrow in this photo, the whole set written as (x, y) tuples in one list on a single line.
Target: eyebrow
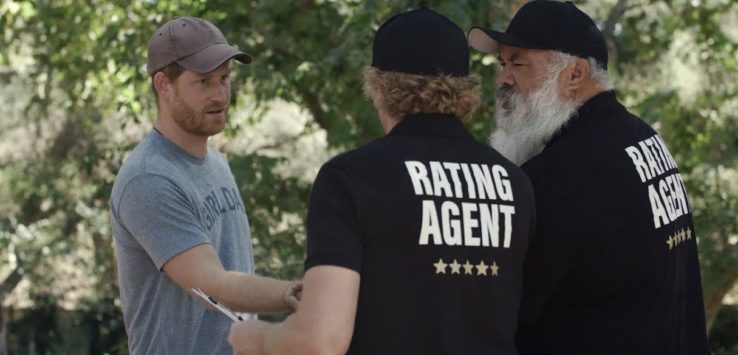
[(513, 57)]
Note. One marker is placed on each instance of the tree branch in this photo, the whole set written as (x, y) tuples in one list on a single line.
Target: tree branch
[(608, 30), (309, 98), (3, 342), (312, 102), (616, 13), (10, 282)]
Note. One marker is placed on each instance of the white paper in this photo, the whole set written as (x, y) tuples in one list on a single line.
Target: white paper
[(233, 316)]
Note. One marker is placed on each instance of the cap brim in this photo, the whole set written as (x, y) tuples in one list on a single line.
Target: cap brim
[(212, 57), (489, 41)]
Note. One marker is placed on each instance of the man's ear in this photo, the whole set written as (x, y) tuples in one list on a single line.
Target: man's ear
[(163, 86), (575, 77)]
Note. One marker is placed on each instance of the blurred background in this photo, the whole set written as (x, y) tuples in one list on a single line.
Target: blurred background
[(75, 98)]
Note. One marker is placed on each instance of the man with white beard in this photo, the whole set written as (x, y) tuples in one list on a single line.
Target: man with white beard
[(524, 124), (613, 267)]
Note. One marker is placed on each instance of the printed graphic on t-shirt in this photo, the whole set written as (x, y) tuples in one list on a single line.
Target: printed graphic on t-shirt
[(466, 217), (467, 268), (679, 237), (666, 190), (218, 202)]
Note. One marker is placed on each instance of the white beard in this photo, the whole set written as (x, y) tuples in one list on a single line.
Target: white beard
[(524, 125)]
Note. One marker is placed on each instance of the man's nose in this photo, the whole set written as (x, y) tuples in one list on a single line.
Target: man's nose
[(220, 93), (504, 78)]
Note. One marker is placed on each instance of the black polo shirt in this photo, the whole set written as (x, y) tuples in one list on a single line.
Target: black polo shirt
[(437, 225), (613, 268)]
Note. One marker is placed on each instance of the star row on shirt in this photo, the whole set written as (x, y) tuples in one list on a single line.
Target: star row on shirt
[(468, 268), (679, 237)]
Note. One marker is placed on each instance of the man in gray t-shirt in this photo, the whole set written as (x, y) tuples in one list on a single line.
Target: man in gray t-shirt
[(177, 214)]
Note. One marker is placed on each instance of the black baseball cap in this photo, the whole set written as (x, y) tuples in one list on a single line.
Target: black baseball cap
[(423, 42), (543, 24)]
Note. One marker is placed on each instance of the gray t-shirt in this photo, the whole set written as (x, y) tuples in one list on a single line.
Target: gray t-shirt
[(166, 201)]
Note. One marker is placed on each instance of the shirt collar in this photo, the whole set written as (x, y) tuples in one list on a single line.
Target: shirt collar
[(599, 105), (174, 148), (431, 124)]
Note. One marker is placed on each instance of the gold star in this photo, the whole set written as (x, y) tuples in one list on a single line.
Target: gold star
[(440, 267), (468, 268), (670, 242), (689, 234), (494, 268), (681, 235), (482, 268), (455, 267)]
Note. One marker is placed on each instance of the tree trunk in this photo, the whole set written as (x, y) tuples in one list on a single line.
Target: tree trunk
[(3, 342), (715, 285), (10, 282), (7, 285)]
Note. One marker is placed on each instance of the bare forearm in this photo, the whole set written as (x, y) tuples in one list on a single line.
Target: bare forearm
[(274, 339), (200, 267), (250, 293), (286, 338), (323, 324)]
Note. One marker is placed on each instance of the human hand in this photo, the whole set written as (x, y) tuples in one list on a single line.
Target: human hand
[(292, 296)]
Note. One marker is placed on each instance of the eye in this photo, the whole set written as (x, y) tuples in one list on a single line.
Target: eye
[(204, 81), (225, 78)]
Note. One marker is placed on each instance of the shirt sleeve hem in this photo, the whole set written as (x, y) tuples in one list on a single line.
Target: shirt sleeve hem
[(333, 260), (164, 258)]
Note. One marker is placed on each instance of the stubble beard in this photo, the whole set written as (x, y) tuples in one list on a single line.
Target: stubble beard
[(197, 122), (525, 124)]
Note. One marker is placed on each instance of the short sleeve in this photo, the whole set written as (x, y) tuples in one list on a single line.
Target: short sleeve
[(160, 217), (332, 226)]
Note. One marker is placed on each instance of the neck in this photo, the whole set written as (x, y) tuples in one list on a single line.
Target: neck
[(587, 93), (195, 145), (388, 122)]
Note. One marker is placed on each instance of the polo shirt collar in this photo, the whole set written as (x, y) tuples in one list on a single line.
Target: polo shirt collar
[(600, 105), (431, 124)]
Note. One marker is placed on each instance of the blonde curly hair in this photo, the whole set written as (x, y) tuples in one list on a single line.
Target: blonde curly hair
[(401, 94)]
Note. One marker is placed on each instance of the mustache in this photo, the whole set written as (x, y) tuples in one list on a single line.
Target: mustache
[(504, 91), (504, 95)]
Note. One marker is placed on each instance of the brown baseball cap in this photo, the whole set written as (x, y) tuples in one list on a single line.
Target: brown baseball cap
[(193, 43)]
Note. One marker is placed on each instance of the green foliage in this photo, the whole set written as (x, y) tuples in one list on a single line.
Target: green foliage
[(275, 215), (75, 98)]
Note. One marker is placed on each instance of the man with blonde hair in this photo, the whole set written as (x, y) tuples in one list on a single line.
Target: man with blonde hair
[(613, 267), (416, 240)]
